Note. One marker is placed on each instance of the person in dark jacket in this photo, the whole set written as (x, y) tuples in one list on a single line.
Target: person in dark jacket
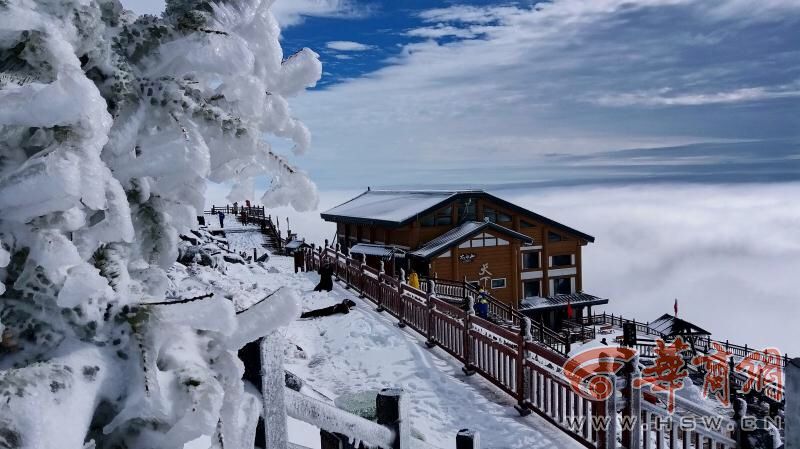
[(482, 304), (325, 277), (221, 217)]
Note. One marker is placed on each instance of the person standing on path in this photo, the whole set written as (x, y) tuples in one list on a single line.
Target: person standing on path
[(413, 279), (221, 219)]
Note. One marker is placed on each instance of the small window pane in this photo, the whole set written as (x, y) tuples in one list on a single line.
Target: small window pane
[(530, 260), (427, 221), (490, 242), (499, 283), (477, 243), (553, 237), (562, 286), (562, 260), (532, 289), (503, 218), (525, 224), (442, 220)]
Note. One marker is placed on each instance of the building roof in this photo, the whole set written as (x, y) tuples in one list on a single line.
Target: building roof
[(557, 301), (388, 207), (395, 208), (369, 249), (294, 244), (672, 326), (461, 233)]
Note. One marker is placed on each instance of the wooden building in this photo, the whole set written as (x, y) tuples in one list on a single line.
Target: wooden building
[(524, 259)]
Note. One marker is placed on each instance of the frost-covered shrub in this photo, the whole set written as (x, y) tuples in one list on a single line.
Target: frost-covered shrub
[(110, 127)]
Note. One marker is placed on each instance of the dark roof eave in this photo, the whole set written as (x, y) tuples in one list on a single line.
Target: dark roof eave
[(358, 220), (596, 302)]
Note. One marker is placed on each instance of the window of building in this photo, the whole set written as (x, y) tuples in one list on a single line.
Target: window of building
[(553, 237), (562, 286), (475, 284), (530, 260), (532, 289), (526, 224), (495, 216), (482, 240), (499, 283), (562, 260), (466, 210), (442, 217)]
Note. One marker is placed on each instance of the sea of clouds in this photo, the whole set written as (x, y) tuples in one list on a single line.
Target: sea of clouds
[(730, 254)]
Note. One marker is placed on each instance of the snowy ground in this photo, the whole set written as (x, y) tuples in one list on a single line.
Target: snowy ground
[(365, 350)]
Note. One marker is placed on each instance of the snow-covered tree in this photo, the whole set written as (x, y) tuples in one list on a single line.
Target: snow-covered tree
[(110, 127)]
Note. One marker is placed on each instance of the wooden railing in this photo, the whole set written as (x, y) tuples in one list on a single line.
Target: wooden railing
[(390, 430), (499, 312), (523, 361), (701, 344), (253, 215)]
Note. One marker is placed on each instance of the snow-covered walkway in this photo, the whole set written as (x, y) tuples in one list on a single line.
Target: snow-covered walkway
[(366, 350)]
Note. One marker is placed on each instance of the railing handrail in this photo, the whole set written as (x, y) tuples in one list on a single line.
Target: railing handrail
[(734, 349), (333, 419), (501, 353)]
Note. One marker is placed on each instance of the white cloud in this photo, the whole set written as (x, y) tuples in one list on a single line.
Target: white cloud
[(730, 254), (441, 30), (544, 80), (663, 97), (347, 46), (292, 12)]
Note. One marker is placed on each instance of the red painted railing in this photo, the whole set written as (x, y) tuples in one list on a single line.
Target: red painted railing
[(504, 354)]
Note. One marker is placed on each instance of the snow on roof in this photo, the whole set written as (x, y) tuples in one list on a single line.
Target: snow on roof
[(369, 249), (456, 235), (398, 207), (671, 326), (390, 206), (554, 301), (294, 244)]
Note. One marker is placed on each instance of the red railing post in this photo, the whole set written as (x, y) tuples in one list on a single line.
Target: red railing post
[(469, 368), (402, 312), (521, 377), (431, 340), (362, 270), (379, 294)]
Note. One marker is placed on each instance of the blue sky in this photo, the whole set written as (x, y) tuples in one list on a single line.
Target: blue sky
[(560, 92)]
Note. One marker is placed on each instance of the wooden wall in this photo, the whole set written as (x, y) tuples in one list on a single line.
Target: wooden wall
[(506, 260)]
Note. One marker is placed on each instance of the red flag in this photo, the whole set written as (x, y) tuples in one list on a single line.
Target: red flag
[(676, 306), (570, 312)]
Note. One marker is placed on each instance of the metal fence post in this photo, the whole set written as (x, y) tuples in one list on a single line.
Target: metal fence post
[(792, 411), (468, 439), (392, 412)]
